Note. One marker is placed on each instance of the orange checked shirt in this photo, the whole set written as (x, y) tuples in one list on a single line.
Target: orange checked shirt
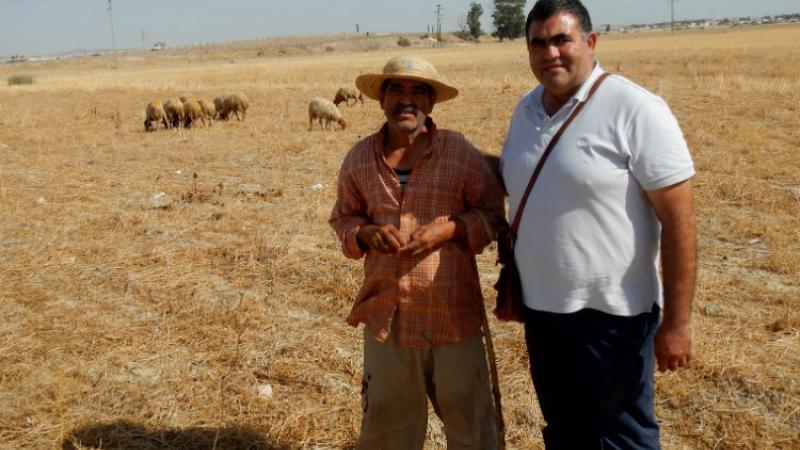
[(435, 298)]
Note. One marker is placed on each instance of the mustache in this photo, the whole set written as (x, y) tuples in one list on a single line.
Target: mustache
[(401, 108)]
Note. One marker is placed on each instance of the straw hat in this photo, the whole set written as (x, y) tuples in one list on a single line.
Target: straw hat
[(408, 68)]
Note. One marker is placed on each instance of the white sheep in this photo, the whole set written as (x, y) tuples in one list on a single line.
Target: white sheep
[(155, 115), (192, 113), (323, 109), (174, 109), (345, 94), (234, 104), (209, 110), (218, 101)]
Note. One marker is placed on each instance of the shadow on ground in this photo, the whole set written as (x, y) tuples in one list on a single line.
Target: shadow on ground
[(124, 435)]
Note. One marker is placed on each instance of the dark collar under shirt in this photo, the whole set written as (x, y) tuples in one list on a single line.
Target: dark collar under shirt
[(403, 176)]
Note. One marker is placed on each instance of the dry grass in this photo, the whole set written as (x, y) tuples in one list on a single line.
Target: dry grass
[(133, 322)]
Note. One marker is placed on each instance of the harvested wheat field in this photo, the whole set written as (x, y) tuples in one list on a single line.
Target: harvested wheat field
[(181, 289)]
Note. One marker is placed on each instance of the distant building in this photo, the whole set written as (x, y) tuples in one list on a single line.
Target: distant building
[(158, 46)]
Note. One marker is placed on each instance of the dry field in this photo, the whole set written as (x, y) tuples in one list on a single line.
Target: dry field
[(182, 289)]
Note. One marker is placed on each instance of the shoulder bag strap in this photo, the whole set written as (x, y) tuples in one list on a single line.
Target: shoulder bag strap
[(547, 151)]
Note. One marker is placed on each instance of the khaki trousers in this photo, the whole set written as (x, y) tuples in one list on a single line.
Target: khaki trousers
[(398, 382)]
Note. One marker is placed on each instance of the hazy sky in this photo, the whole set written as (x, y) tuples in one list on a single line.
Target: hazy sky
[(37, 27)]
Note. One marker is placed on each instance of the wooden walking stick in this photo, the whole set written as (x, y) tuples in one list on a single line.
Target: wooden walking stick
[(490, 355), (498, 407)]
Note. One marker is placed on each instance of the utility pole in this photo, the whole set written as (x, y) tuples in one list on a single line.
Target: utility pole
[(671, 15), (439, 10), (143, 47), (111, 25), (113, 38)]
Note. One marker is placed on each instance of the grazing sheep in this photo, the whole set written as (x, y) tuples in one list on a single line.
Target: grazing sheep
[(192, 113), (218, 101), (345, 94), (209, 110), (154, 115), (185, 96), (323, 109), (234, 104), (174, 109)]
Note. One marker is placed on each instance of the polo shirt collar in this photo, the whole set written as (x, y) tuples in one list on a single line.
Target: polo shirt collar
[(583, 92)]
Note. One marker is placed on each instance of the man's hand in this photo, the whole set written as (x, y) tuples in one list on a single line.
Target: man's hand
[(382, 238), (430, 237), (673, 346)]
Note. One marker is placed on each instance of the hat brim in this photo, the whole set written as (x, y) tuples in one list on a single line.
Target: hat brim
[(370, 85)]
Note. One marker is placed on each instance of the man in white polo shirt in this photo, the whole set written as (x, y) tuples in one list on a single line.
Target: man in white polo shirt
[(612, 201)]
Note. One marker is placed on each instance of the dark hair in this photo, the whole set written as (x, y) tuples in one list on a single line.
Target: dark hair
[(544, 9)]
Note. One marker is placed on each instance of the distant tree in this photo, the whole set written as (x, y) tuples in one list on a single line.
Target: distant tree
[(474, 19), (509, 18)]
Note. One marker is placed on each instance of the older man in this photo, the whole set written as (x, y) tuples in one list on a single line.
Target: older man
[(613, 200), (408, 198)]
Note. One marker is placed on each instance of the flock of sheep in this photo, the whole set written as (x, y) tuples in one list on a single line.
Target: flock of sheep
[(186, 111)]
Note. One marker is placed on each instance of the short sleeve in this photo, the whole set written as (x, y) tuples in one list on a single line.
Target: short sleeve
[(659, 154)]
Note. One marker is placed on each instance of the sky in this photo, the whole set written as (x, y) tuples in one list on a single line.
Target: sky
[(48, 27)]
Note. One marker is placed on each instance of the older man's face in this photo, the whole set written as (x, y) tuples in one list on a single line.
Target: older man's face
[(406, 104)]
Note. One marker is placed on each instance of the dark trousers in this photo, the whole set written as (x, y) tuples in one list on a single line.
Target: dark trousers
[(593, 375)]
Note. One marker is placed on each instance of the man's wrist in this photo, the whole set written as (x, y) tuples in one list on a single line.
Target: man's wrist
[(361, 236), (459, 231), (675, 320)]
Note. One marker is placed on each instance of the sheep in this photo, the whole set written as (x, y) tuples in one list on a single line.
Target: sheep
[(209, 110), (192, 113), (185, 97), (234, 103), (154, 114), (345, 93), (173, 107), (323, 109), (218, 101)]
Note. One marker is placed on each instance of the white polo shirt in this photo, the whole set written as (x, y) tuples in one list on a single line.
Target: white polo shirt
[(588, 237)]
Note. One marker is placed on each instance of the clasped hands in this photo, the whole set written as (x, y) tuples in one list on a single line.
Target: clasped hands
[(425, 239)]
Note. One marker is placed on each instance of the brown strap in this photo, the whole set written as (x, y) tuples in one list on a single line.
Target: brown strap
[(547, 151)]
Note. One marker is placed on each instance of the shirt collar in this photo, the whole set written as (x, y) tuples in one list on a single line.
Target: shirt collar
[(380, 137), (583, 92)]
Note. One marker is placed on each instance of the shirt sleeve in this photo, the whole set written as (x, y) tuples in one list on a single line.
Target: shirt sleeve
[(659, 154), (484, 198), (349, 212)]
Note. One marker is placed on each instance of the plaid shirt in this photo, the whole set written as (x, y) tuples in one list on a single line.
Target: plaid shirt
[(435, 298)]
